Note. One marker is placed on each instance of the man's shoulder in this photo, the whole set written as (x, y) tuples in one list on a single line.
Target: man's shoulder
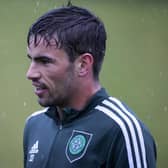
[(118, 114), (37, 114), (112, 106)]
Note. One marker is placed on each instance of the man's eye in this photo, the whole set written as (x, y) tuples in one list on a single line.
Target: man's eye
[(44, 61)]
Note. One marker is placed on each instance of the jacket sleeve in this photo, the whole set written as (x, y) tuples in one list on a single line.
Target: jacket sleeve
[(121, 154), (25, 145), (151, 152), (117, 156)]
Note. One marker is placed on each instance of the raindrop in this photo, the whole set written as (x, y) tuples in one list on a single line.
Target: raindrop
[(165, 108), (37, 6), (37, 3), (161, 74), (24, 104), (3, 115)]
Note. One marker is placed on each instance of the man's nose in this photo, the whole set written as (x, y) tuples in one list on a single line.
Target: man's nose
[(33, 72)]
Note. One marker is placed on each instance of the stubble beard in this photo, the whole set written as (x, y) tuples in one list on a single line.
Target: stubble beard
[(63, 96)]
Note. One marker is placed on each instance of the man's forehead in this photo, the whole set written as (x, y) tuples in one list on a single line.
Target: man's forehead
[(39, 46), (35, 41)]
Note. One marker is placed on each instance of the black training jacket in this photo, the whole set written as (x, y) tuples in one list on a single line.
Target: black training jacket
[(105, 134)]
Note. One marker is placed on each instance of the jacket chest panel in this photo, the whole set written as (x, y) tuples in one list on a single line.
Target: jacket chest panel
[(68, 146)]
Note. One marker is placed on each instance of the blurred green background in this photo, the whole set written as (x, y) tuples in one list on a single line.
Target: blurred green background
[(135, 68)]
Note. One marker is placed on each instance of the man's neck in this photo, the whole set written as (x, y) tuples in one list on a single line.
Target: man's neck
[(83, 96), (80, 99)]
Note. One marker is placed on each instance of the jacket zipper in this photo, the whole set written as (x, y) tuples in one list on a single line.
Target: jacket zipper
[(60, 127)]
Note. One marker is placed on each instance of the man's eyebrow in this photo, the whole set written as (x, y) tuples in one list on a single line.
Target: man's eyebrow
[(41, 58), (38, 56)]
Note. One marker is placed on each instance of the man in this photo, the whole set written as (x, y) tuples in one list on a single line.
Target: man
[(81, 126)]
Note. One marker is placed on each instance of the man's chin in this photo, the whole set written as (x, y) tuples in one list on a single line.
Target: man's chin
[(48, 102), (43, 103)]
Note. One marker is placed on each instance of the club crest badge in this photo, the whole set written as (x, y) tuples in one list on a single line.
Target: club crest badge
[(77, 145)]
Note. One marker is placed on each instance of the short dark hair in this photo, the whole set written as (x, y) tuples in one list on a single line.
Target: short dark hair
[(74, 29)]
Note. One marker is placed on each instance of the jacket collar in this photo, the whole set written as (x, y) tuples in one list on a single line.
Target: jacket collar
[(70, 114)]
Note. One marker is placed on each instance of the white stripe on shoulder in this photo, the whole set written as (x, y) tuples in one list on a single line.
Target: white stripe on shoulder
[(124, 131), (137, 125), (131, 128), (37, 113)]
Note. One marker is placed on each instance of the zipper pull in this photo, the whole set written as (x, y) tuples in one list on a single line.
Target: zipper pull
[(60, 127)]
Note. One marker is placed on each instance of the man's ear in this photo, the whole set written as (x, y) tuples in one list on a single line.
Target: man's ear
[(84, 64)]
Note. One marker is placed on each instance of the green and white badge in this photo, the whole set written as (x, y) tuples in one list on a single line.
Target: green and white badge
[(77, 145)]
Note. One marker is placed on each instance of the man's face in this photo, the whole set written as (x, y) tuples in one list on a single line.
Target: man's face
[(51, 73)]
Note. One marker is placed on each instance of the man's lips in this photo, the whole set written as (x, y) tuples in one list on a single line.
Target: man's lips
[(39, 89), (40, 92)]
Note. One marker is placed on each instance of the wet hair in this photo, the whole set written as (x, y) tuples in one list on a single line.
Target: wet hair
[(74, 29)]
